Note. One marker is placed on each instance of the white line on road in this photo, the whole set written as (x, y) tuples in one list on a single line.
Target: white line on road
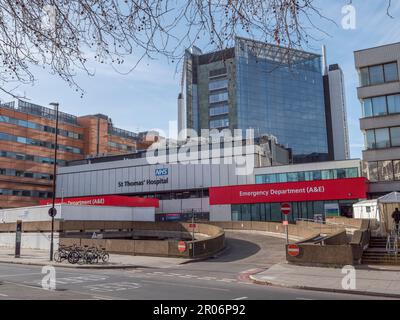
[(19, 275), (3, 295), (183, 285), (102, 298), (227, 280), (240, 298), (303, 299)]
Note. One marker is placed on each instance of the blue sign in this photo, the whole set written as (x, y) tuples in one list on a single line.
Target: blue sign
[(161, 172)]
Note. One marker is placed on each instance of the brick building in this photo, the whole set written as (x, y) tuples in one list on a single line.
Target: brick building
[(27, 148)]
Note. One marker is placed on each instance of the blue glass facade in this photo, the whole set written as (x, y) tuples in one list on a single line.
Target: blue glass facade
[(283, 96)]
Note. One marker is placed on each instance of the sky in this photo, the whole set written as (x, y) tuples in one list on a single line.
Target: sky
[(147, 97)]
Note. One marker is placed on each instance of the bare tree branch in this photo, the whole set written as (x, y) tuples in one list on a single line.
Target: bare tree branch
[(67, 37)]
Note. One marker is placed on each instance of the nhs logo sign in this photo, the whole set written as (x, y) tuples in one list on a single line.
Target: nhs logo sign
[(161, 172)]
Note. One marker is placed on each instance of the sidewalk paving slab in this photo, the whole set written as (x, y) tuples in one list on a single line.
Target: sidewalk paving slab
[(383, 283), (41, 258)]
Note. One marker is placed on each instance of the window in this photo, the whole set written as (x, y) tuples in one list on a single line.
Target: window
[(379, 74), (376, 75), (215, 111), (367, 108), (219, 97), (218, 84), (396, 169), (340, 173), (379, 106), (382, 138), (281, 177), (351, 172), (219, 123), (395, 136), (292, 177), (276, 212), (326, 174), (390, 70), (364, 77), (394, 103), (373, 171), (385, 170)]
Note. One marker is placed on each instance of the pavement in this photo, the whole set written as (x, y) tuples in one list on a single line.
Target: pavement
[(225, 277), (41, 258), (382, 281), (228, 275)]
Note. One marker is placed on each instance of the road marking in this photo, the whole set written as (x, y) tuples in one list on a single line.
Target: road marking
[(158, 272), (207, 278), (19, 275), (184, 285), (116, 286), (102, 298), (3, 295), (240, 298), (303, 299), (227, 280)]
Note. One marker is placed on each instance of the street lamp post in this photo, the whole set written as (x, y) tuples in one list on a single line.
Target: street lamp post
[(53, 209)]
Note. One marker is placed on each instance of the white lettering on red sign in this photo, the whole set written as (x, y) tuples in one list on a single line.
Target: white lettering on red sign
[(279, 192)]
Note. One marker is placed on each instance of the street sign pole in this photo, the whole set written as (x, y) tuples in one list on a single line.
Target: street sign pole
[(55, 105), (193, 232), (286, 208), (287, 229), (18, 235)]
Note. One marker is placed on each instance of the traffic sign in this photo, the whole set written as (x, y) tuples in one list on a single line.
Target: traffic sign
[(192, 225), (293, 250), (181, 246), (286, 208), (52, 212), (285, 222)]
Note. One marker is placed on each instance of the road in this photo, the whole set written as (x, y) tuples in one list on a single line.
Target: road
[(223, 277)]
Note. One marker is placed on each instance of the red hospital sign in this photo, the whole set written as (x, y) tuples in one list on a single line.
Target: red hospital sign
[(338, 189), (111, 200)]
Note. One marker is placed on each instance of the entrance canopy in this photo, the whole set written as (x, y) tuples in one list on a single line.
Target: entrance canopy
[(393, 197)]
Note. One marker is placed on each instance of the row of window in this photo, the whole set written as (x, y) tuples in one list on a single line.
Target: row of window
[(26, 193), (379, 74), (218, 72), (308, 175), (219, 123), (28, 157), (218, 97), (38, 143), (25, 174), (45, 112), (178, 195), (121, 146), (380, 106), (382, 138), (219, 110), (218, 84), (36, 126), (122, 133), (299, 210), (383, 170)]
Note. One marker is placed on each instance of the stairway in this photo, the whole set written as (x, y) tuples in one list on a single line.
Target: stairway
[(376, 253)]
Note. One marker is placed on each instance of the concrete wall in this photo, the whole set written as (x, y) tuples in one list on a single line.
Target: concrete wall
[(32, 240), (199, 248), (334, 255), (75, 212)]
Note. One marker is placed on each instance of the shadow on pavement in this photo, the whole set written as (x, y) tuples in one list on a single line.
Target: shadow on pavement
[(236, 249)]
